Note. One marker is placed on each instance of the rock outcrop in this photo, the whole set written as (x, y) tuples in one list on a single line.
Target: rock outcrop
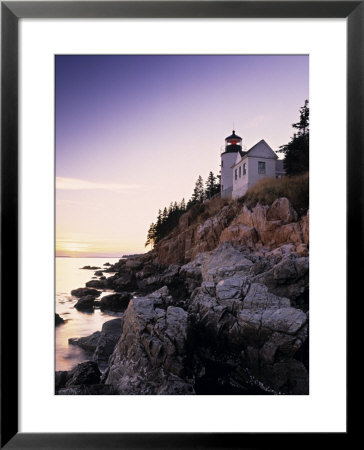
[(82, 292), (217, 307), (244, 312), (150, 357), (115, 302), (100, 344), (85, 303), (262, 227)]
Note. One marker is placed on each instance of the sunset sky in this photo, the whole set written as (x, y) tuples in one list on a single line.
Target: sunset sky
[(133, 133)]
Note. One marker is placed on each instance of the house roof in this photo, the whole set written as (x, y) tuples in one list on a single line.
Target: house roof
[(246, 154), (262, 141)]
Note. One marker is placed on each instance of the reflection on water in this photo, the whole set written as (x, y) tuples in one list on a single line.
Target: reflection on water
[(77, 323)]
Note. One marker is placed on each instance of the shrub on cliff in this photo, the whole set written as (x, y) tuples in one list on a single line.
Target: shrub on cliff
[(296, 189)]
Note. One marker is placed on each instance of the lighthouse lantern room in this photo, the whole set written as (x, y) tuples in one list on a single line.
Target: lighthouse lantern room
[(233, 146)]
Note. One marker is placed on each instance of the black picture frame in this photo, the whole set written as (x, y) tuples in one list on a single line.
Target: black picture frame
[(11, 12)]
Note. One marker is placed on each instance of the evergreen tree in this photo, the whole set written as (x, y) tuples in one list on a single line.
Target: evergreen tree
[(303, 125), (151, 236), (198, 195), (296, 152), (210, 185)]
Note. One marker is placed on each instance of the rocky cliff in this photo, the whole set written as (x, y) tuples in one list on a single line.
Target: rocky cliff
[(218, 307), (263, 227)]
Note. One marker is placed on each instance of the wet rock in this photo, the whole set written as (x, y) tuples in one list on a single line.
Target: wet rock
[(84, 373), (98, 284), (88, 343), (58, 319), (90, 267), (108, 338), (85, 303), (81, 292), (99, 273), (115, 302)]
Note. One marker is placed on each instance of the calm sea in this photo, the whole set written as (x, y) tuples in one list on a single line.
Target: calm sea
[(69, 276)]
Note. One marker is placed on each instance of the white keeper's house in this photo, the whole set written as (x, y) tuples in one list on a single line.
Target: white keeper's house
[(240, 170)]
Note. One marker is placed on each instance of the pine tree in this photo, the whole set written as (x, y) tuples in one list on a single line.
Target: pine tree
[(303, 125), (210, 185), (296, 152), (198, 195), (151, 236)]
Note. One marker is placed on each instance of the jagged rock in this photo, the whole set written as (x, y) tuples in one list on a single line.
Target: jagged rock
[(99, 273), (81, 292), (85, 303), (90, 267), (84, 373), (161, 297), (149, 357), (209, 288), (302, 250), (233, 287), (170, 274), (305, 227), (287, 278), (282, 210), (224, 262), (242, 275), (108, 338), (88, 343), (60, 379), (133, 264), (58, 319), (123, 281), (241, 234), (263, 327), (115, 302)]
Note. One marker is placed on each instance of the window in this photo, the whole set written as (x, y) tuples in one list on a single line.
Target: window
[(236, 174), (239, 171), (261, 168), (244, 169)]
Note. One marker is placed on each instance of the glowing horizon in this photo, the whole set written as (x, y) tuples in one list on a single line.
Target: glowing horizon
[(133, 133)]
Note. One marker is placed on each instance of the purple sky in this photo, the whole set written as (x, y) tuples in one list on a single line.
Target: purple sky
[(134, 132)]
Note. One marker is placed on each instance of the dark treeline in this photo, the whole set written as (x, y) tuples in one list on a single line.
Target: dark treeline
[(296, 152), (168, 218)]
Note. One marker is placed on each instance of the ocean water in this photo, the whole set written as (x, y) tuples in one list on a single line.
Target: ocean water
[(69, 276)]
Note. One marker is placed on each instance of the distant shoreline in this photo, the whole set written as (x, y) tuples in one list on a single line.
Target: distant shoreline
[(102, 257), (88, 257)]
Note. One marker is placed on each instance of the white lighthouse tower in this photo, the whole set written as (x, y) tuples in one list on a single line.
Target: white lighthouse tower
[(228, 158)]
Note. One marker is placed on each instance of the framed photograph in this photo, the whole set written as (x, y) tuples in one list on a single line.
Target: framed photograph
[(181, 189)]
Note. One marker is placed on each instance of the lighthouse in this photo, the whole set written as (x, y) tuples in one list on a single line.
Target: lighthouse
[(233, 146)]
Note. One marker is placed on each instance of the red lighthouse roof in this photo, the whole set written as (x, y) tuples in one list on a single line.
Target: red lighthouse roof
[(233, 136)]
